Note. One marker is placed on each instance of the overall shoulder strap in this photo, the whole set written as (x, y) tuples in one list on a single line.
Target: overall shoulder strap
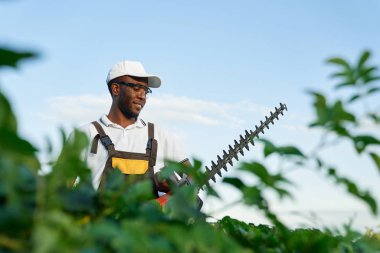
[(99, 128), (103, 137), (151, 151), (150, 130), (151, 148)]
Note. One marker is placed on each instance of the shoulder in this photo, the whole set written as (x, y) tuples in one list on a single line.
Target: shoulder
[(89, 129), (159, 132), (166, 135), (170, 144)]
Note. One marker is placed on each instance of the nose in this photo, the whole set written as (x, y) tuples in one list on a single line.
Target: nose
[(141, 93)]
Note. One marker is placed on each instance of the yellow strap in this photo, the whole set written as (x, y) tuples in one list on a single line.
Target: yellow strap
[(130, 166)]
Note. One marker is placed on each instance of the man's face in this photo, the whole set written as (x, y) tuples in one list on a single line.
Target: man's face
[(130, 101)]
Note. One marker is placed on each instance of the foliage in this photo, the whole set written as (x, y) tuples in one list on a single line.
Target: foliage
[(340, 120), (359, 77), (12, 58), (45, 213), (337, 120), (263, 238)]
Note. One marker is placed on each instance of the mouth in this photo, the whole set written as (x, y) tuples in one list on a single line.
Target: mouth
[(139, 105)]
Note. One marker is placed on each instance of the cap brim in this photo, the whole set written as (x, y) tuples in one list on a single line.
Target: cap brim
[(153, 81)]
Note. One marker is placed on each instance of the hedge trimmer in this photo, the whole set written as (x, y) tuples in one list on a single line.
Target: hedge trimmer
[(232, 153)]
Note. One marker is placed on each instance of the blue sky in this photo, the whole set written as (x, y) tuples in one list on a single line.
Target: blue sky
[(224, 65)]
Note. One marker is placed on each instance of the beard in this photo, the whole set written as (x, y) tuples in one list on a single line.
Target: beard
[(126, 107), (128, 113)]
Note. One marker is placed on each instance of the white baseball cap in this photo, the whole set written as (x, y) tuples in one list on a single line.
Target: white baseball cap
[(132, 68)]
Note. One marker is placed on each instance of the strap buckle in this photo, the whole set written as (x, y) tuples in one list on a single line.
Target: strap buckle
[(106, 141), (149, 144)]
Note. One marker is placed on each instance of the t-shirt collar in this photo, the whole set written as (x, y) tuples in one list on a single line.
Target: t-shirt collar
[(107, 122)]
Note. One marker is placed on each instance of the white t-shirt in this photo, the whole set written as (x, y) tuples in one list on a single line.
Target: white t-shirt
[(133, 138)]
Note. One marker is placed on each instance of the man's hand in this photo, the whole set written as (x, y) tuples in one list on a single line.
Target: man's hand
[(162, 185)]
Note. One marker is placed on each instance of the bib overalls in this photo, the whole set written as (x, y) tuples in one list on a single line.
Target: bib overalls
[(129, 163)]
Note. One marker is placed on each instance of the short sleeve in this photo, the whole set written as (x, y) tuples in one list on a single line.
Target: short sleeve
[(174, 149), (171, 147)]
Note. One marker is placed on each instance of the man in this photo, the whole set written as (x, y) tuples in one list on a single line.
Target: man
[(121, 139)]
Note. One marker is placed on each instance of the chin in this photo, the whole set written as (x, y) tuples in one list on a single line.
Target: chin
[(130, 114), (136, 113)]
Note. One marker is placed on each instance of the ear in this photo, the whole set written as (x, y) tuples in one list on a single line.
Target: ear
[(115, 88)]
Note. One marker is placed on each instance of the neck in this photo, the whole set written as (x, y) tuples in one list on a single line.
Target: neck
[(117, 117)]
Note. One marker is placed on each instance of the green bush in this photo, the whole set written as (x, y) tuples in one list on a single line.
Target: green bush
[(42, 212)]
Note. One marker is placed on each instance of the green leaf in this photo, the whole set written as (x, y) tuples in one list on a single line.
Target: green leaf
[(346, 83), (257, 169), (332, 117), (290, 150), (252, 196), (320, 106), (370, 79), (79, 199), (362, 141), (240, 231), (367, 72), (340, 62), (261, 172), (341, 131), (340, 114), (269, 148), (320, 163), (373, 90), (375, 117), (354, 75), (12, 143), (353, 189), (49, 146), (63, 136), (70, 164), (211, 191), (353, 98), (282, 193), (376, 160), (331, 172), (367, 197), (183, 204), (12, 58), (234, 181), (194, 171), (139, 191), (347, 73), (7, 118), (339, 74), (363, 59)]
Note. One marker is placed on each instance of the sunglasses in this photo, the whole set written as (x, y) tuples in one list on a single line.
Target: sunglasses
[(136, 87)]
